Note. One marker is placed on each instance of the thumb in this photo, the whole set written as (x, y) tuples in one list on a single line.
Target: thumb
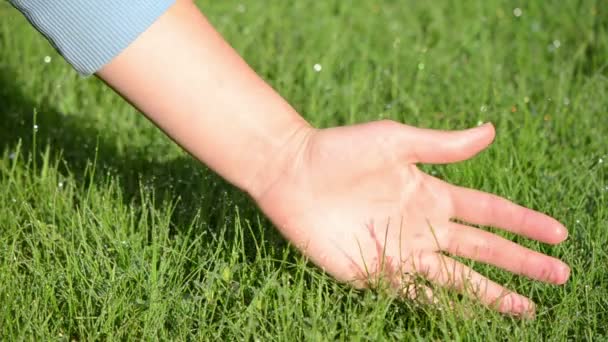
[(440, 147)]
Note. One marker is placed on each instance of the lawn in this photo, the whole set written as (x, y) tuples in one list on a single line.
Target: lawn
[(109, 231)]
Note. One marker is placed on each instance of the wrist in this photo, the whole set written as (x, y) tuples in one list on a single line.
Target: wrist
[(276, 157)]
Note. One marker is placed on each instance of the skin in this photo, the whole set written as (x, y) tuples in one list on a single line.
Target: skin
[(350, 198)]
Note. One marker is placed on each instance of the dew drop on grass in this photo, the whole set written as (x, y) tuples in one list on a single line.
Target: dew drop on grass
[(47, 59), (35, 128), (557, 44), (12, 156), (317, 67), (517, 12)]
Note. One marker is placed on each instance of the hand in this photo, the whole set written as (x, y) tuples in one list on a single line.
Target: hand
[(354, 202), (350, 198)]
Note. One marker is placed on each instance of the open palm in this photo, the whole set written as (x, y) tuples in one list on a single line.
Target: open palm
[(352, 199)]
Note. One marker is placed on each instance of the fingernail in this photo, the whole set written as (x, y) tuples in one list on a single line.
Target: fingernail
[(530, 313), (563, 271), (522, 306), (562, 232), (483, 128)]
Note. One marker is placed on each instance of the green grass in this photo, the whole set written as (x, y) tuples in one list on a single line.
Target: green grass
[(109, 231)]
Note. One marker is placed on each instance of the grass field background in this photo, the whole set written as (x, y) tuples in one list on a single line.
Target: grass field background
[(109, 231)]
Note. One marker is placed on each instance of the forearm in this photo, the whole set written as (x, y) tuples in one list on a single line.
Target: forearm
[(185, 78)]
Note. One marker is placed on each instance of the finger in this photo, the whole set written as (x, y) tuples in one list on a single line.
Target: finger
[(483, 246), (447, 272), (485, 209), (440, 147)]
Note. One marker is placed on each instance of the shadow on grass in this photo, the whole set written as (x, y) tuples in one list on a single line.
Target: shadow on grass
[(77, 144)]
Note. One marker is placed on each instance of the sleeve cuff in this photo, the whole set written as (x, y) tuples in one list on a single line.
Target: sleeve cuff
[(89, 34)]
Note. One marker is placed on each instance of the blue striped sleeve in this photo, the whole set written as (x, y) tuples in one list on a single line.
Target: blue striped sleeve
[(90, 33)]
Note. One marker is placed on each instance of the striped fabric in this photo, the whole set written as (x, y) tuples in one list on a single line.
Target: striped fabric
[(90, 33)]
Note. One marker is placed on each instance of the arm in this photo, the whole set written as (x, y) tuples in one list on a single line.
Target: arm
[(192, 84), (337, 194), (351, 198)]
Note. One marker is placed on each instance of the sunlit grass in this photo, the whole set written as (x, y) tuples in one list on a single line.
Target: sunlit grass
[(109, 231)]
